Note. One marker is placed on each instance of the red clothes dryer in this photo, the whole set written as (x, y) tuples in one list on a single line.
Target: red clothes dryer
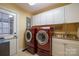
[(31, 43), (44, 39)]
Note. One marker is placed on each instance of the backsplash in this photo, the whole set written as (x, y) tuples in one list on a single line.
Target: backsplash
[(67, 31)]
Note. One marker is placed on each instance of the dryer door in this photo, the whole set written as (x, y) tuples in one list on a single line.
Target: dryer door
[(28, 35), (42, 37)]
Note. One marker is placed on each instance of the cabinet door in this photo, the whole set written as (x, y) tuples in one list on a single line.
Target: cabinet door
[(33, 20), (72, 13), (50, 17), (71, 50), (38, 17), (13, 47), (57, 48), (43, 19), (4, 49), (47, 18), (59, 15), (36, 20)]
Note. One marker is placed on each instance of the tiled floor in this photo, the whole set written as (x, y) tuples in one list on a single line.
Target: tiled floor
[(25, 53)]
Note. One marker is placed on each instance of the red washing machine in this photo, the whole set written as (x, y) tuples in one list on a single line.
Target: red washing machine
[(44, 39), (31, 43)]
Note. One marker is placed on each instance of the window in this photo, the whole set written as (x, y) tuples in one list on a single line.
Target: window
[(28, 22), (6, 23)]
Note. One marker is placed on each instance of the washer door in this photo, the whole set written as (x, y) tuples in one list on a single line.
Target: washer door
[(28, 35), (42, 37)]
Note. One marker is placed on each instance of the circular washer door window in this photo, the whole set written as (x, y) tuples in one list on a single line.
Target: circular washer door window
[(42, 37), (28, 36)]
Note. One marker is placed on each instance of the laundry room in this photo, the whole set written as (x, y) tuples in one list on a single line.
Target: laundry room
[(39, 29)]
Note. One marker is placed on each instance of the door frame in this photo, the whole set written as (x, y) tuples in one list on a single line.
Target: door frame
[(16, 17)]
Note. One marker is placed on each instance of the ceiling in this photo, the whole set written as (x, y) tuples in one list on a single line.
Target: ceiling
[(38, 7)]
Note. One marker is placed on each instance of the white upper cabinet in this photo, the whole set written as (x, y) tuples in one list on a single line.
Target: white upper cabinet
[(43, 20), (50, 17), (65, 14), (54, 16), (38, 19), (72, 13), (35, 20), (59, 15), (47, 18)]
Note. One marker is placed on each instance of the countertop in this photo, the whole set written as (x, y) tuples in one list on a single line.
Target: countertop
[(67, 38), (8, 37), (3, 41), (65, 41)]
